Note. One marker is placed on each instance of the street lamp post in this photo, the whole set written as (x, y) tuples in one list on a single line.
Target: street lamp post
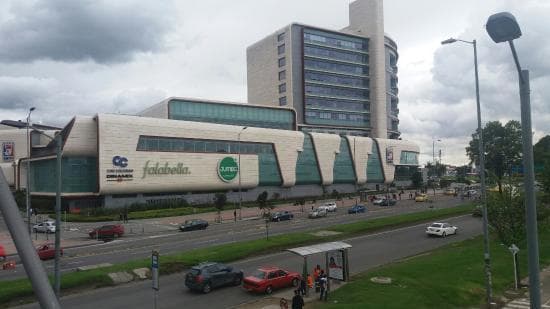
[(57, 255), (27, 193), (481, 150), (239, 159), (503, 27)]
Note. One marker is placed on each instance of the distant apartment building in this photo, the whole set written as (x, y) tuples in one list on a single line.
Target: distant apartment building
[(342, 81)]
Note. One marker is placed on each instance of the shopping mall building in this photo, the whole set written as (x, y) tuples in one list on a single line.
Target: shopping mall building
[(323, 116), (189, 149)]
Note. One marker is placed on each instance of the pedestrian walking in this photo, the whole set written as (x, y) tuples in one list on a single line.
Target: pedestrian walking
[(309, 281), (120, 218), (126, 217), (297, 300), (303, 286), (235, 215), (323, 286)]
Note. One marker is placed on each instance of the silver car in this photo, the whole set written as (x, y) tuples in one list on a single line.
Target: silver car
[(44, 227), (318, 213)]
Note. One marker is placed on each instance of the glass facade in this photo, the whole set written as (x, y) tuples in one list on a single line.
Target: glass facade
[(307, 167), (232, 114), (403, 173), (409, 157), (392, 89), (268, 165), (336, 82), (79, 174), (343, 166), (374, 166)]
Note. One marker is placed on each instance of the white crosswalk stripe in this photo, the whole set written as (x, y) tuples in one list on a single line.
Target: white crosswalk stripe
[(522, 303)]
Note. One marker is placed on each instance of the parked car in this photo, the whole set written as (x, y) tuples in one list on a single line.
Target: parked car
[(107, 231), (267, 279), (329, 206), (2, 253), (378, 201), (471, 192), (281, 215), (44, 227), (318, 213), (194, 224), (357, 209), (206, 276), (441, 229), (450, 191), (47, 251), (422, 197), (388, 202)]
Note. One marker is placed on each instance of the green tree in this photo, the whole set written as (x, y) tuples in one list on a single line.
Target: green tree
[(502, 148), (541, 150), (417, 179), (461, 172), (263, 203), (219, 202)]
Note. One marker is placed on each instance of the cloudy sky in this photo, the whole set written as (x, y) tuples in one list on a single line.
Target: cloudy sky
[(68, 57)]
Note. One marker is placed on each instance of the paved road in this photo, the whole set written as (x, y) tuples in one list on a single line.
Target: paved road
[(135, 247), (368, 251)]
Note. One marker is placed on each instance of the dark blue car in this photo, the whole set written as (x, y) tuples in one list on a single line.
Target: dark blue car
[(357, 209)]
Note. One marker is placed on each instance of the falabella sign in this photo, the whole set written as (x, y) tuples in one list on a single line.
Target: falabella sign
[(227, 169)]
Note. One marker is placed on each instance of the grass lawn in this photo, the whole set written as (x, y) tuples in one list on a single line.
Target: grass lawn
[(17, 289), (449, 277)]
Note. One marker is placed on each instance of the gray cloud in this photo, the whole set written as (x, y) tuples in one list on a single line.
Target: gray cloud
[(66, 30)]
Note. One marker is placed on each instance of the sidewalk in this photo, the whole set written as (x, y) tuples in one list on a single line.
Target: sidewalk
[(523, 293)]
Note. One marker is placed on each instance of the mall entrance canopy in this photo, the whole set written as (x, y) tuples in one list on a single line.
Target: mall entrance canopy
[(336, 260)]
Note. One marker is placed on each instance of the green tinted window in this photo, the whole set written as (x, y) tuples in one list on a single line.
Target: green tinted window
[(409, 157), (232, 114), (343, 166), (79, 174), (307, 169), (374, 166)]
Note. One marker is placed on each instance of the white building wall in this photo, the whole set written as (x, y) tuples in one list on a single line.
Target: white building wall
[(82, 140), (326, 147), (397, 146), (360, 155)]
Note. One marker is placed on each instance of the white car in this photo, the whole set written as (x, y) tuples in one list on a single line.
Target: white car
[(441, 229), (44, 227), (318, 213), (329, 207)]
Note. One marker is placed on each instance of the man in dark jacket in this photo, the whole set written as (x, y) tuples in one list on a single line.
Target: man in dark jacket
[(297, 300)]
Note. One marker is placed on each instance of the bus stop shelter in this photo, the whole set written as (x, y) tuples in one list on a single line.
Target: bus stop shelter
[(336, 260)]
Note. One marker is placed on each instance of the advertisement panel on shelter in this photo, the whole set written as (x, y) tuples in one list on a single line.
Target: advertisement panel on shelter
[(336, 265), (8, 151)]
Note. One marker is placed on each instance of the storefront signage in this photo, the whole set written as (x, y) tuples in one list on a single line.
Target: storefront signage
[(158, 169), (227, 169), (389, 155), (8, 151), (120, 173)]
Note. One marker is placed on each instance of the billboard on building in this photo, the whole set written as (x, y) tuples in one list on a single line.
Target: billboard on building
[(8, 149)]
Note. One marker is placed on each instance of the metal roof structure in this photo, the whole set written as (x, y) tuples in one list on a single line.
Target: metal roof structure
[(320, 248)]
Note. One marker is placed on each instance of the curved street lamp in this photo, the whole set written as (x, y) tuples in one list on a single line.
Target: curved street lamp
[(503, 27), (481, 150)]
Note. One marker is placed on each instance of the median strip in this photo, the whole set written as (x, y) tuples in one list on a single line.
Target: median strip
[(20, 289)]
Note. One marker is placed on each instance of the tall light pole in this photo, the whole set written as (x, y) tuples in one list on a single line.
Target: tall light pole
[(239, 156), (481, 150), (57, 255), (27, 193), (503, 27)]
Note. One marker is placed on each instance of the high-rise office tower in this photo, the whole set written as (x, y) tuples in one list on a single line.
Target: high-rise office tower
[(338, 81)]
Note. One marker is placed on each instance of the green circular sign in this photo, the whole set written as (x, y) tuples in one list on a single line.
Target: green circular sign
[(228, 169)]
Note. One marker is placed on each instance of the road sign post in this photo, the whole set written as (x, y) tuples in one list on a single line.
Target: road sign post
[(514, 250), (155, 274)]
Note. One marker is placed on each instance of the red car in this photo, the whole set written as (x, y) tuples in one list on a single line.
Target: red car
[(2, 253), (47, 251), (107, 231), (267, 279)]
